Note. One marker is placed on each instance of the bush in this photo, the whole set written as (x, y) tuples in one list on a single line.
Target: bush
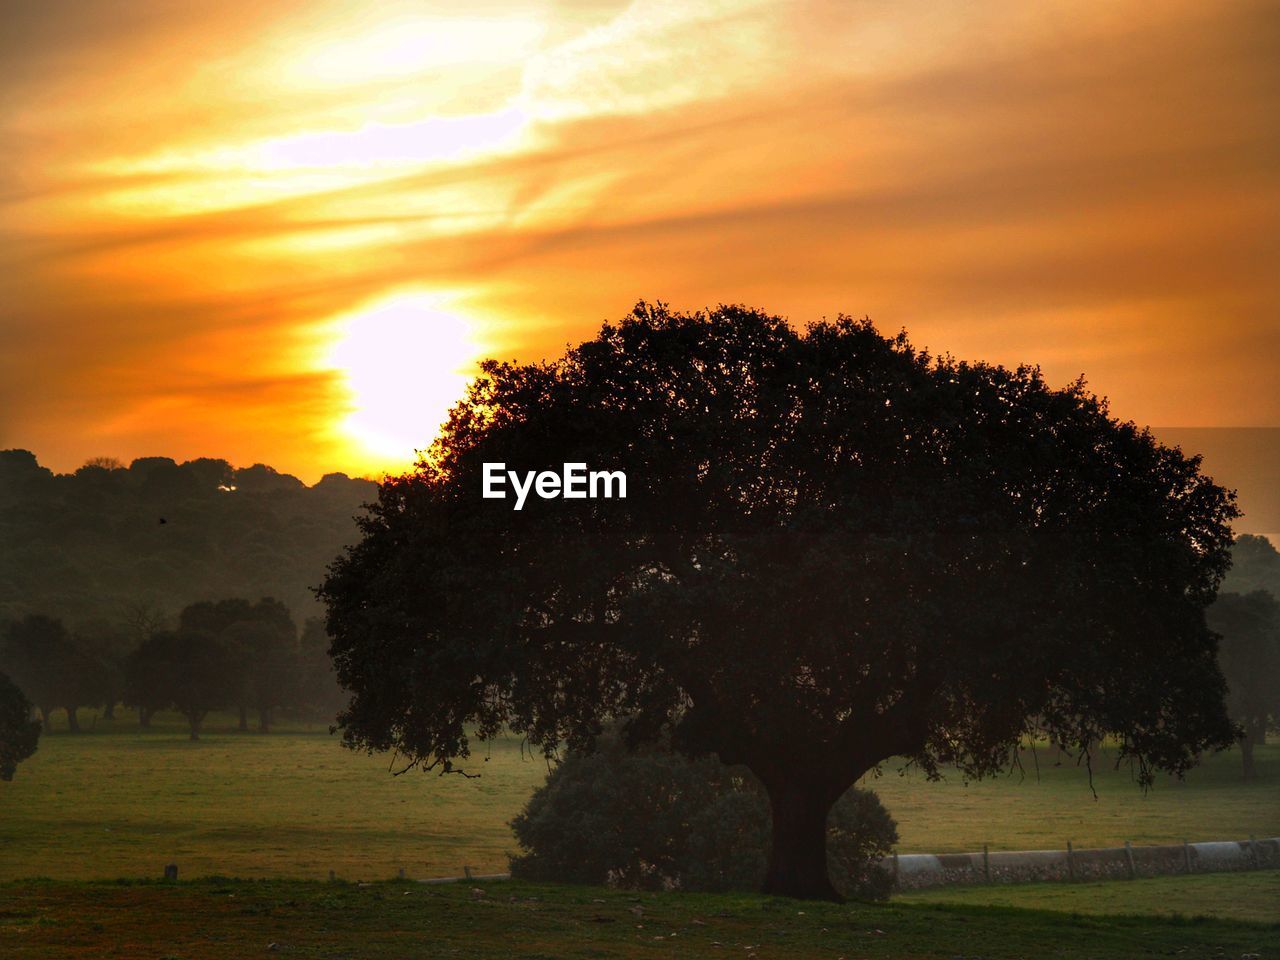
[(652, 819)]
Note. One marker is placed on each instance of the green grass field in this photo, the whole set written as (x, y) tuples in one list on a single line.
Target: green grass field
[(1228, 896), (220, 920), (120, 802), (1044, 811)]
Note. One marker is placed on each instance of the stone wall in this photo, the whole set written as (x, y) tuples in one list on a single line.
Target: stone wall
[(916, 870)]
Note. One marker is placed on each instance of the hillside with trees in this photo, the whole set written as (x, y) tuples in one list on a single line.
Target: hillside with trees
[(113, 546), (124, 585)]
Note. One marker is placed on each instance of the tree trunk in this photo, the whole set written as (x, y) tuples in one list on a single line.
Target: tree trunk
[(144, 717), (264, 721), (194, 720), (109, 711), (73, 722), (1246, 752), (798, 848), (46, 718), (244, 719)]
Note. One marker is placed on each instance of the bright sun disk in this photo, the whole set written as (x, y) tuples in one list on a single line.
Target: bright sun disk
[(406, 360)]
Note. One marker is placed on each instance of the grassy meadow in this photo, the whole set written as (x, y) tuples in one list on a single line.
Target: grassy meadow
[(230, 920), (1042, 810), (1253, 897), (120, 802)]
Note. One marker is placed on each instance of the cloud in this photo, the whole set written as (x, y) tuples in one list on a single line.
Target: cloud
[(655, 55), (1091, 186)]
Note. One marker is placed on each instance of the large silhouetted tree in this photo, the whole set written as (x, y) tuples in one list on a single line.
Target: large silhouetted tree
[(834, 550), (18, 732)]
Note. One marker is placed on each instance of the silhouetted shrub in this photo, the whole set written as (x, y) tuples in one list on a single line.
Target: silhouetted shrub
[(653, 819)]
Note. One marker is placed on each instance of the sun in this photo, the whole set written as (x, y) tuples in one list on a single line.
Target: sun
[(405, 360)]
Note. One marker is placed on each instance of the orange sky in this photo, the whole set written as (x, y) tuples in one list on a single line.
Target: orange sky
[(284, 231)]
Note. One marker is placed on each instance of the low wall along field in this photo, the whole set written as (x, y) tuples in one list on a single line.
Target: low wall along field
[(915, 871), (920, 871)]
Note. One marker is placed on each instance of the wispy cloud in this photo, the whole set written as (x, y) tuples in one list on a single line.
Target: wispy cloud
[(1090, 186)]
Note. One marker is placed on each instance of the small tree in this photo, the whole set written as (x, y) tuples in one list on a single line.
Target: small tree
[(18, 732), (189, 670), (1250, 658), (834, 550), (263, 642), (1255, 565), (320, 694), (52, 667), (215, 617), (267, 664), (142, 617), (105, 645), (146, 680)]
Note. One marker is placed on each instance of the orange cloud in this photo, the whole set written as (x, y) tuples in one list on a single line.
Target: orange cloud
[(198, 206)]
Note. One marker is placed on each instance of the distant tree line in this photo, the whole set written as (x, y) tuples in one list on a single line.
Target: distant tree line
[(219, 655), (109, 548), (116, 543), (1246, 617)]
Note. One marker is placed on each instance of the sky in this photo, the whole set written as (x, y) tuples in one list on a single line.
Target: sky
[(285, 232)]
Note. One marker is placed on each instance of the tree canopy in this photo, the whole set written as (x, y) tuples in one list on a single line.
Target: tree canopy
[(835, 549)]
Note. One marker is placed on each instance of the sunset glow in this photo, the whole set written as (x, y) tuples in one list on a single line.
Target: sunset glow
[(405, 360), (242, 231)]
